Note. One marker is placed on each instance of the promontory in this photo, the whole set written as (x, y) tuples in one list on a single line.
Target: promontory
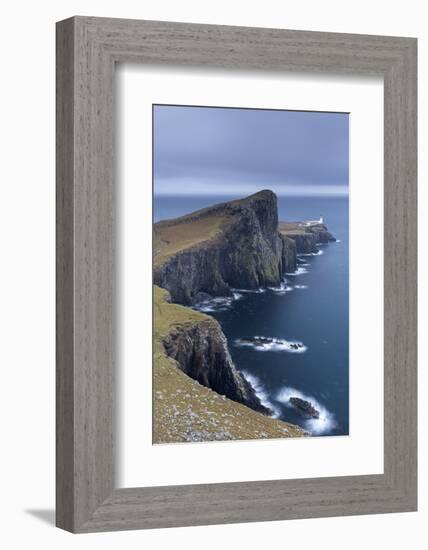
[(199, 394)]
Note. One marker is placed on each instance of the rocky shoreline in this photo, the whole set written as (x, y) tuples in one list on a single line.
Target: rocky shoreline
[(306, 237), (201, 351), (244, 250), (186, 409), (209, 253)]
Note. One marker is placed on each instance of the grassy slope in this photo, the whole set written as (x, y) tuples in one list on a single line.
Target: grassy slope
[(186, 411), (170, 238), (286, 228)]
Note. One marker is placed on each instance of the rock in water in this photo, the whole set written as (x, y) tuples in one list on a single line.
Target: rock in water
[(304, 407), (256, 340)]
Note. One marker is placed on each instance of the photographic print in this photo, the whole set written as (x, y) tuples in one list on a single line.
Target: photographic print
[(250, 274)]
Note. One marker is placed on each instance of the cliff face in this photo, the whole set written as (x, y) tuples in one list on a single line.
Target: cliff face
[(321, 234), (289, 253), (198, 347), (244, 251), (305, 242), (238, 244), (201, 352), (184, 410), (306, 237)]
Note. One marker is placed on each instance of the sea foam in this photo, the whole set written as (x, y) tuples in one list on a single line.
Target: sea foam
[(317, 253), (317, 426), (275, 344), (220, 303), (283, 288), (261, 393), (249, 290), (299, 271)]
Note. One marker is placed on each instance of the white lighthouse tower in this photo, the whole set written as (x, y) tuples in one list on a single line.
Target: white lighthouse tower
[(311, 223)]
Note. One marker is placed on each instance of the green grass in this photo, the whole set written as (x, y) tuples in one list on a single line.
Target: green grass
[(183, 407), (170, 238), (167, 315), (286, 228)]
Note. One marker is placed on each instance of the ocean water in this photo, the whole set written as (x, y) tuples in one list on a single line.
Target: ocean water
[(310, 307)]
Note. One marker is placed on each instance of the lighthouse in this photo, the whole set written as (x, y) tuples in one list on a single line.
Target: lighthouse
[(321, 220)]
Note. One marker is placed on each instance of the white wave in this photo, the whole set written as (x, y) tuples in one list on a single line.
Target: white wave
[(301, 286), (220, 303), (299, 271), (249, 290), (305, 254), (210, 307), (317, 426), (282, 288), (261, 393), (274, 344)]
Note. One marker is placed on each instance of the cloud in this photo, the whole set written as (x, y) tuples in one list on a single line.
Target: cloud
[(201, 150)]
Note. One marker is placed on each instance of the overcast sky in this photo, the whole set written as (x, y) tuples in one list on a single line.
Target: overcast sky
[(215, 151)]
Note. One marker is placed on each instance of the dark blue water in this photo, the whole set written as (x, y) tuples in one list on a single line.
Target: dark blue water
[(316, 315)]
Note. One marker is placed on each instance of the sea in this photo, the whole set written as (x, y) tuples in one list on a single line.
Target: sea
[(310, 308)]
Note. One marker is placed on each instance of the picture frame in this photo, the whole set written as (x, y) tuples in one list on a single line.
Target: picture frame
[(87, 50)]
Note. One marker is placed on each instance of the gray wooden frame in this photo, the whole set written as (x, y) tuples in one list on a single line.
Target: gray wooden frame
[(87, 50)]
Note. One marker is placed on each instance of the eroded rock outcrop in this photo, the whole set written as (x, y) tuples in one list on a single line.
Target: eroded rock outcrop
[(243, 249), (237, 244), (201, 351), (306, 237), (304, 407), (289, 253)]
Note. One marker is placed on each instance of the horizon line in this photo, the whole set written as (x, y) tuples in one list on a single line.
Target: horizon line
[(343, 194), (193, 187)]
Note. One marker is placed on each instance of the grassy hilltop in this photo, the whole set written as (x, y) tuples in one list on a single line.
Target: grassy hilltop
[(171, 238), (234, 244)]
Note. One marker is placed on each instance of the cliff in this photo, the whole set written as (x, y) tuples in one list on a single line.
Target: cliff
[(198, 394), (305, 237), (201, 351), (229, 245), (197, 343), (289, 253)]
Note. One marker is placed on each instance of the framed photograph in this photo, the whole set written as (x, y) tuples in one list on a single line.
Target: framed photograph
[(236, 274)]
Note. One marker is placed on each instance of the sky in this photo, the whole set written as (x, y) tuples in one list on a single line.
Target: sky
[(220, 151)]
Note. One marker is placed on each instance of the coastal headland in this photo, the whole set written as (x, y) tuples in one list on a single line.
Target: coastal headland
[(198, 393)]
